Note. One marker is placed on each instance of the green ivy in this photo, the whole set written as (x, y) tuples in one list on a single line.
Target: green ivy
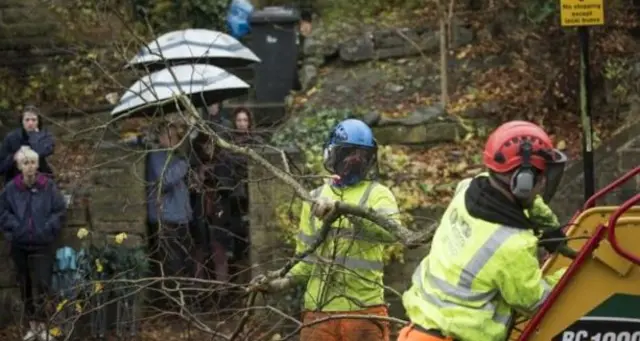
[(167, 15), (538, 11), (308, 132), (119, 261)]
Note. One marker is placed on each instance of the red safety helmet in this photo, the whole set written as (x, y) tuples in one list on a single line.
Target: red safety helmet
[(503, 152)]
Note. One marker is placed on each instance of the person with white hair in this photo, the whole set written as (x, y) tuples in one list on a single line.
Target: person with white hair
[(31, 213)]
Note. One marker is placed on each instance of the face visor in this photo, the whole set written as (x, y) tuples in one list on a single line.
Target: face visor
[(556, 161), (351, 163)]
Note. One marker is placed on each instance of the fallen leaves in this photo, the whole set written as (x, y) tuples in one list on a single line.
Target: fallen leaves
[(422, 177), (561, 145)]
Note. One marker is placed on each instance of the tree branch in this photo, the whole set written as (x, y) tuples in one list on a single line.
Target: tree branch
[(404, 235)]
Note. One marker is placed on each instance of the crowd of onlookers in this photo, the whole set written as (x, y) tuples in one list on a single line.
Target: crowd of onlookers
[(197, 202), (204, 197)]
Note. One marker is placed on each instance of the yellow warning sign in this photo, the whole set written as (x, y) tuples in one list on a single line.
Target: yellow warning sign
[(582, 12)]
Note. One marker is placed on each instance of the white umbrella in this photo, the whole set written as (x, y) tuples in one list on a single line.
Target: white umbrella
[(193, 46), (204, 84)]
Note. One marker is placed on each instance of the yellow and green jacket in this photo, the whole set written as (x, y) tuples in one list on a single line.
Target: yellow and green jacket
[(345, 273), (475, 276)]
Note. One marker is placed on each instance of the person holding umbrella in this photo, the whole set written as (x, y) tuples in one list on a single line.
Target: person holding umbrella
[(168, 206), (215, 120)]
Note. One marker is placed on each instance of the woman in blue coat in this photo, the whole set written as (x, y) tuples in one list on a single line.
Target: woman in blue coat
[(30, 134)]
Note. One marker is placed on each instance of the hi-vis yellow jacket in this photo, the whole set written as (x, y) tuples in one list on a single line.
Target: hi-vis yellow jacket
[(475, 275), (345, 272)]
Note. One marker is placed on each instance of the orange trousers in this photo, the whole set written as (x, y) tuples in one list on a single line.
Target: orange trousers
[(345, 329), (410, 333)]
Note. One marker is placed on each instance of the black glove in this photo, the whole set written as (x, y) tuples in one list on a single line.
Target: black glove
[(552, 239)]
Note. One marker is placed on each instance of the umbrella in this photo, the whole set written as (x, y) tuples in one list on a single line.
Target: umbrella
[(204, 84), (193, 46)]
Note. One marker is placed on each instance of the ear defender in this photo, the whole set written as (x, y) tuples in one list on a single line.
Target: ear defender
[(524, 179)]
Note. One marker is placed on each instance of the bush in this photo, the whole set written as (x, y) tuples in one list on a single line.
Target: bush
[(308, 132), (167, 15)]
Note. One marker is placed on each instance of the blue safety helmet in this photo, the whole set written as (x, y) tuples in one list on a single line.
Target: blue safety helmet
[(350, 151), (353, 132)]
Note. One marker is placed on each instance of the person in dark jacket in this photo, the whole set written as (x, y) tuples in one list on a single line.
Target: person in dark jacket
[(168, 205), (212, 239), (209, 211), (32, 134), (233, 183), (32, 211), (215, 120)]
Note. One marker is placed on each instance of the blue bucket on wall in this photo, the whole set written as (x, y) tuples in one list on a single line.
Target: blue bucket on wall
[(238, 17), (67, 276)]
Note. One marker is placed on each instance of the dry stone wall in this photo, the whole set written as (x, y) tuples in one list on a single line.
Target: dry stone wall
[(613, 159), (26, 33), (269, 248)]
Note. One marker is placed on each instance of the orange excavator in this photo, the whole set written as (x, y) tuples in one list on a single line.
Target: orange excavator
[(598, 298)]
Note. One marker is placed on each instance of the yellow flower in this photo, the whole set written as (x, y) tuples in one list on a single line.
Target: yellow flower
[(120, 237), (99, 267), (82, 232), (61, 305), (55, 332), (98, 287)]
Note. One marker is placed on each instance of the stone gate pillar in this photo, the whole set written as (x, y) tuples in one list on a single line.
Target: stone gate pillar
[(117, 194), (269, 249)]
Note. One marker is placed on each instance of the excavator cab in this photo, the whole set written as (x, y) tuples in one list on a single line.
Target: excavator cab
[(598, 298)]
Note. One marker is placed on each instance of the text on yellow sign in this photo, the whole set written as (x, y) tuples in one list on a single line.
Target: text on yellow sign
[(582, 12)]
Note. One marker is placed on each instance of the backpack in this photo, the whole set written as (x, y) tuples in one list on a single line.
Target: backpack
[(68, 276)]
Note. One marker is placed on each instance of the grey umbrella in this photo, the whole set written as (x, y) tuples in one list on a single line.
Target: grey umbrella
[(204, 84), (193, 46)]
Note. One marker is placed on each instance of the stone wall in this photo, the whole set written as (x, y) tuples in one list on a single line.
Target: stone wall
[(618, 156), (27, 31), (270, 248), (267, 193), (117, 194)]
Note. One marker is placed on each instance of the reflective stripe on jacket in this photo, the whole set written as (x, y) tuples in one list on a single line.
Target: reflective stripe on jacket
[(345, 273), (475, 275)]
